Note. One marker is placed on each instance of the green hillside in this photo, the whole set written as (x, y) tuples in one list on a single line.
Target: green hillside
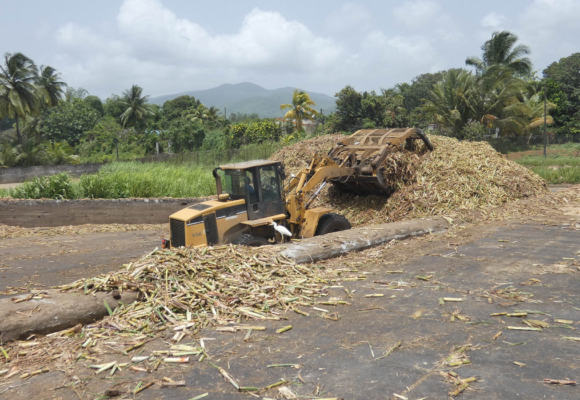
[(250, 98)]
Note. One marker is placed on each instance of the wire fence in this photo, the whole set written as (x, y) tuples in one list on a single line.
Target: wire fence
[(213, 158)]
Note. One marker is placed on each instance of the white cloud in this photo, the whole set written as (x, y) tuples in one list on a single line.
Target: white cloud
[(265, 40), (493, 21), (151, 40)]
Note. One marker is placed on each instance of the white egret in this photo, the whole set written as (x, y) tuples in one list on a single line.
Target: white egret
[(281, 229)]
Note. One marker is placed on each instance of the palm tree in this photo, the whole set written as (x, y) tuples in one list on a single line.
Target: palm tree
[(136, 108), (17, 89), (300, 108), (7, 154), (213, 113), (30, 152), (449, 103), (498, 101), (60, 153), (52, 90), (500, 50), (534, 109), (199, 114)]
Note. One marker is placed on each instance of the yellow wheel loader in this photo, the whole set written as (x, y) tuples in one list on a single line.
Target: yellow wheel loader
[(254, 207)]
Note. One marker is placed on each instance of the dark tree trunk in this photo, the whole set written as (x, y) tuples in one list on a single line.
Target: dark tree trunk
[(18, 129)]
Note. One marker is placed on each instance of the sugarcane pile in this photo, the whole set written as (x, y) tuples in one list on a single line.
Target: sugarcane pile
[(229, 288), (201, 287), (457, 175)]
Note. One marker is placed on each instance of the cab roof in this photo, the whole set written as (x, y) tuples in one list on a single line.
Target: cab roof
[(249, 164)]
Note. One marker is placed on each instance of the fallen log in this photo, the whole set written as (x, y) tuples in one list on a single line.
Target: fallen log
[(339, 243), (22, 315)]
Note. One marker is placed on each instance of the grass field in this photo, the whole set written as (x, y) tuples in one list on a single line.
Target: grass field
[(550, 160), (560, 175), (123, 180)]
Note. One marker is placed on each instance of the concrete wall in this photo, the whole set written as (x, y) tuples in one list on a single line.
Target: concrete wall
[(20, 174), (45, 213)]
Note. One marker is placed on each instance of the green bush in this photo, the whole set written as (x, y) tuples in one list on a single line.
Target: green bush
[(58, 187), (255, 132)]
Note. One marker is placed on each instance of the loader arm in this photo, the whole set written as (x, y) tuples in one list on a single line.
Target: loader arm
[(300, 189)]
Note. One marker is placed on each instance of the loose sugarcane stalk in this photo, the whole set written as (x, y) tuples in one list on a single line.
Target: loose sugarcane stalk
[(284, 329), (33, 373), (284, 365), (521, 328), (141, 387), (459, 389), (390, 351), (522, 314), (297, 311), (279, 383), (173, 384), (133, 347), (5, 354), (176, 359), (249, 389), (226, 376), (560, 382)]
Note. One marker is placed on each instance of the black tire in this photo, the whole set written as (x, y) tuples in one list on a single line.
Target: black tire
[(248, 240), (329, 223)]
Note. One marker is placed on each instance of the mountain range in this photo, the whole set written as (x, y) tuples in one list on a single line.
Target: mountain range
[(249, 98)]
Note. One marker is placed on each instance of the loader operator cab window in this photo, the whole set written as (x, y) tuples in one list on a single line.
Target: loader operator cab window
[(250, 187), (269, 183), (240, 185)]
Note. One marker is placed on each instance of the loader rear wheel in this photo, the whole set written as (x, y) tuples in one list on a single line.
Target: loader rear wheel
[(249, 240), (329, 223)]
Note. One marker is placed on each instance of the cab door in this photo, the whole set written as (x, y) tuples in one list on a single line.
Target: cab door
[(211, 229)]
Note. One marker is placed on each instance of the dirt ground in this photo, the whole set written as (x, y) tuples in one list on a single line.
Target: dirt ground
[(529, 265)]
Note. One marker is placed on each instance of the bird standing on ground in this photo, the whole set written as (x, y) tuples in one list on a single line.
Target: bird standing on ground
[(281, 229)]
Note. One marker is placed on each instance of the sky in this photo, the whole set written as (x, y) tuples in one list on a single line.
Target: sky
[(172, 46)]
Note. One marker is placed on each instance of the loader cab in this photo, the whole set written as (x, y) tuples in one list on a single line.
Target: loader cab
[(258, 182)]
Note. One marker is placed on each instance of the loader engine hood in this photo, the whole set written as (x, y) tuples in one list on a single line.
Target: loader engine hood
[(207, 223)]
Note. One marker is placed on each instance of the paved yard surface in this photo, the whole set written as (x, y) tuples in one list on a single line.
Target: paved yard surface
[(529, 265), (53, 260)]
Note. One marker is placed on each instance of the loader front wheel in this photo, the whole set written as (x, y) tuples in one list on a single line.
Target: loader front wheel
[(250, 240), (329, 223)]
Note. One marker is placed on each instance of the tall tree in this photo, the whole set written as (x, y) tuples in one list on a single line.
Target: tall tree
[(174, 109), (198, 114), (300, 109), (17, 77), (501, 50), (52, 90), (448, 105), (562, 79), (137, 111)]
